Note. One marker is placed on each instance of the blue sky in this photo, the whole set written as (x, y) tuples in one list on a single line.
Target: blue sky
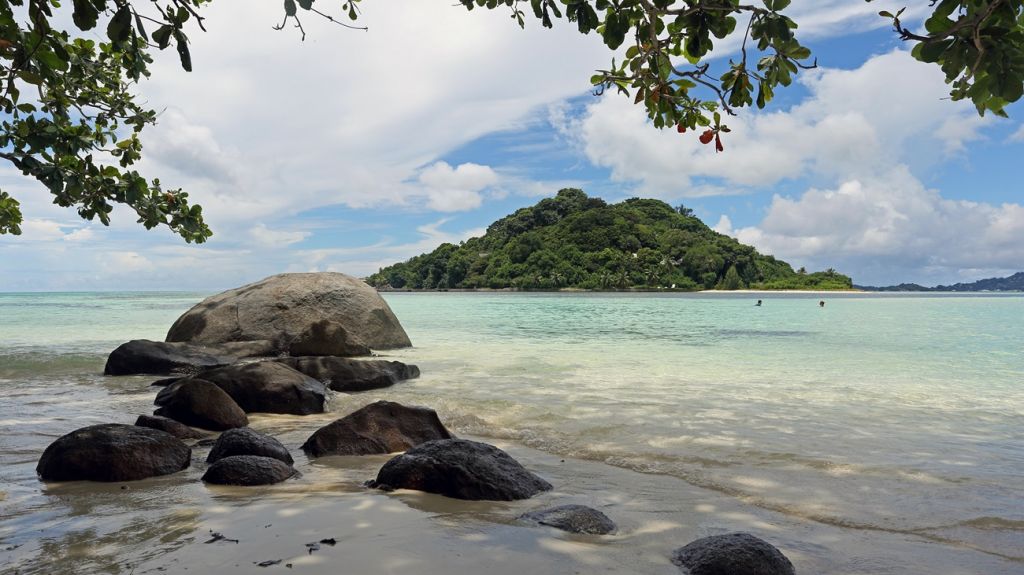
[(350, 151)]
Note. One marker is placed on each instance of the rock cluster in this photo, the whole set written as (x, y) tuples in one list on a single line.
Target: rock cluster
[(320, 321)]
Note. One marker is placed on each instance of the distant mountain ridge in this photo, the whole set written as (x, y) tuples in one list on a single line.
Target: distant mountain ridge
[(574, 241), (1009, 283)]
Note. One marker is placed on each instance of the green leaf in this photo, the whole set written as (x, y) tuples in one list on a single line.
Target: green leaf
[(85, 15), (162, 36), (183, 53), (306, 4), (289, 7), (119, 28)]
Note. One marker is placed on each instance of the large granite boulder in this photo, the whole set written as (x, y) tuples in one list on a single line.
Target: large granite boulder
[(269, 387), (248, 470), (175, 428), (326, 337), (731, 554), (200, 403), (461, 469), (283, 308), (349, 375), (246, 441), (142, 356), (572, 518), (113, 452), (381, 427)]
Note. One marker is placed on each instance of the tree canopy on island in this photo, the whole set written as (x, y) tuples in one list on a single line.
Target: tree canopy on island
[(575, 241), (71, 120)]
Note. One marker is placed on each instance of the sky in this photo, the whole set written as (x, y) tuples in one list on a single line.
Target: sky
[(353, 150)]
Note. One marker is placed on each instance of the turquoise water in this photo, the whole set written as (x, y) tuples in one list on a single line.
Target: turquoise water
[(894, 415)]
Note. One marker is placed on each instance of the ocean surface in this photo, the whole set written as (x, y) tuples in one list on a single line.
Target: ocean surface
[(878, 434)]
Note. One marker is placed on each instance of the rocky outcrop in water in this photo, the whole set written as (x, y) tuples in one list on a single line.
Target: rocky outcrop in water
[(269, 387), (326, 337), (572, 518), (381, 427), (732, 554), (113, 452), (200, 403), (142, 356), (248, 470), (247, 441), (351, 375), (175, 428), (285, 308), (461, 469)]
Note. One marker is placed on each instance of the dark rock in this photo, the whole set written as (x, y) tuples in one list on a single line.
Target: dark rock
[(142, 356), (246, 441), (175, 428), (113, 452), (165, 381), (248, 470), (381, 427), (280, 308), (200, 403), (461, 469), (732, 554), (326, 337), (573, 518), (269, 387), (349, 375)]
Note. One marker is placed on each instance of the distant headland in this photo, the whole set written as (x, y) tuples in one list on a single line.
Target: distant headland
[(1013, 283), (574, 241)]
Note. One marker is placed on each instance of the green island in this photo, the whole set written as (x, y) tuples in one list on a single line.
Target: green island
[(574, 241)]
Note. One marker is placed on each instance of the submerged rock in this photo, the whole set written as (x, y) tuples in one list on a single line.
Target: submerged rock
[(573, 518), (246, 441), (283, 307), (269, 387), (175, 428), (326, 337), (461, 469), (349, 375), (113, 452), (248, 470), (142, 356), (732, 554), (200, 403), (381, 427)]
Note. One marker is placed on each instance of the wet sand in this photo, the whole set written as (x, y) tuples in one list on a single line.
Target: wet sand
[(163, 525)]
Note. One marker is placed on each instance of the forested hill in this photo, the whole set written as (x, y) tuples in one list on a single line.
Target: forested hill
[(575, 241)]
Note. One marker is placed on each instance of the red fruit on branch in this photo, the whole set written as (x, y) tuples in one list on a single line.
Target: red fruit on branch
[(681, 128), (707, 136)]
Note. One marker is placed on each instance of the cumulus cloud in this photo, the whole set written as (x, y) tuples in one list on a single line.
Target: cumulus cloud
[(1018, 136), (888, 226), (890, 109), (457, 189)]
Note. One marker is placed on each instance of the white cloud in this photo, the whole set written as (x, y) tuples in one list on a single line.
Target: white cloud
[(456, 189), (724, 225), (1017, 136), (79, 235), (266, 237), (888, 110), (890, 226)]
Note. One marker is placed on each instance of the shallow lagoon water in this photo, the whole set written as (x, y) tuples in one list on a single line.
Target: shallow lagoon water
[(879, 434)]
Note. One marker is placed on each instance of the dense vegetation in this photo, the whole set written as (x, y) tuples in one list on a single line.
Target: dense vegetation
[(575, 241)]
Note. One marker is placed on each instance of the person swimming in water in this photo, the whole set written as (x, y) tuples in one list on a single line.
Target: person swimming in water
[(758, 304), (821, 303)]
